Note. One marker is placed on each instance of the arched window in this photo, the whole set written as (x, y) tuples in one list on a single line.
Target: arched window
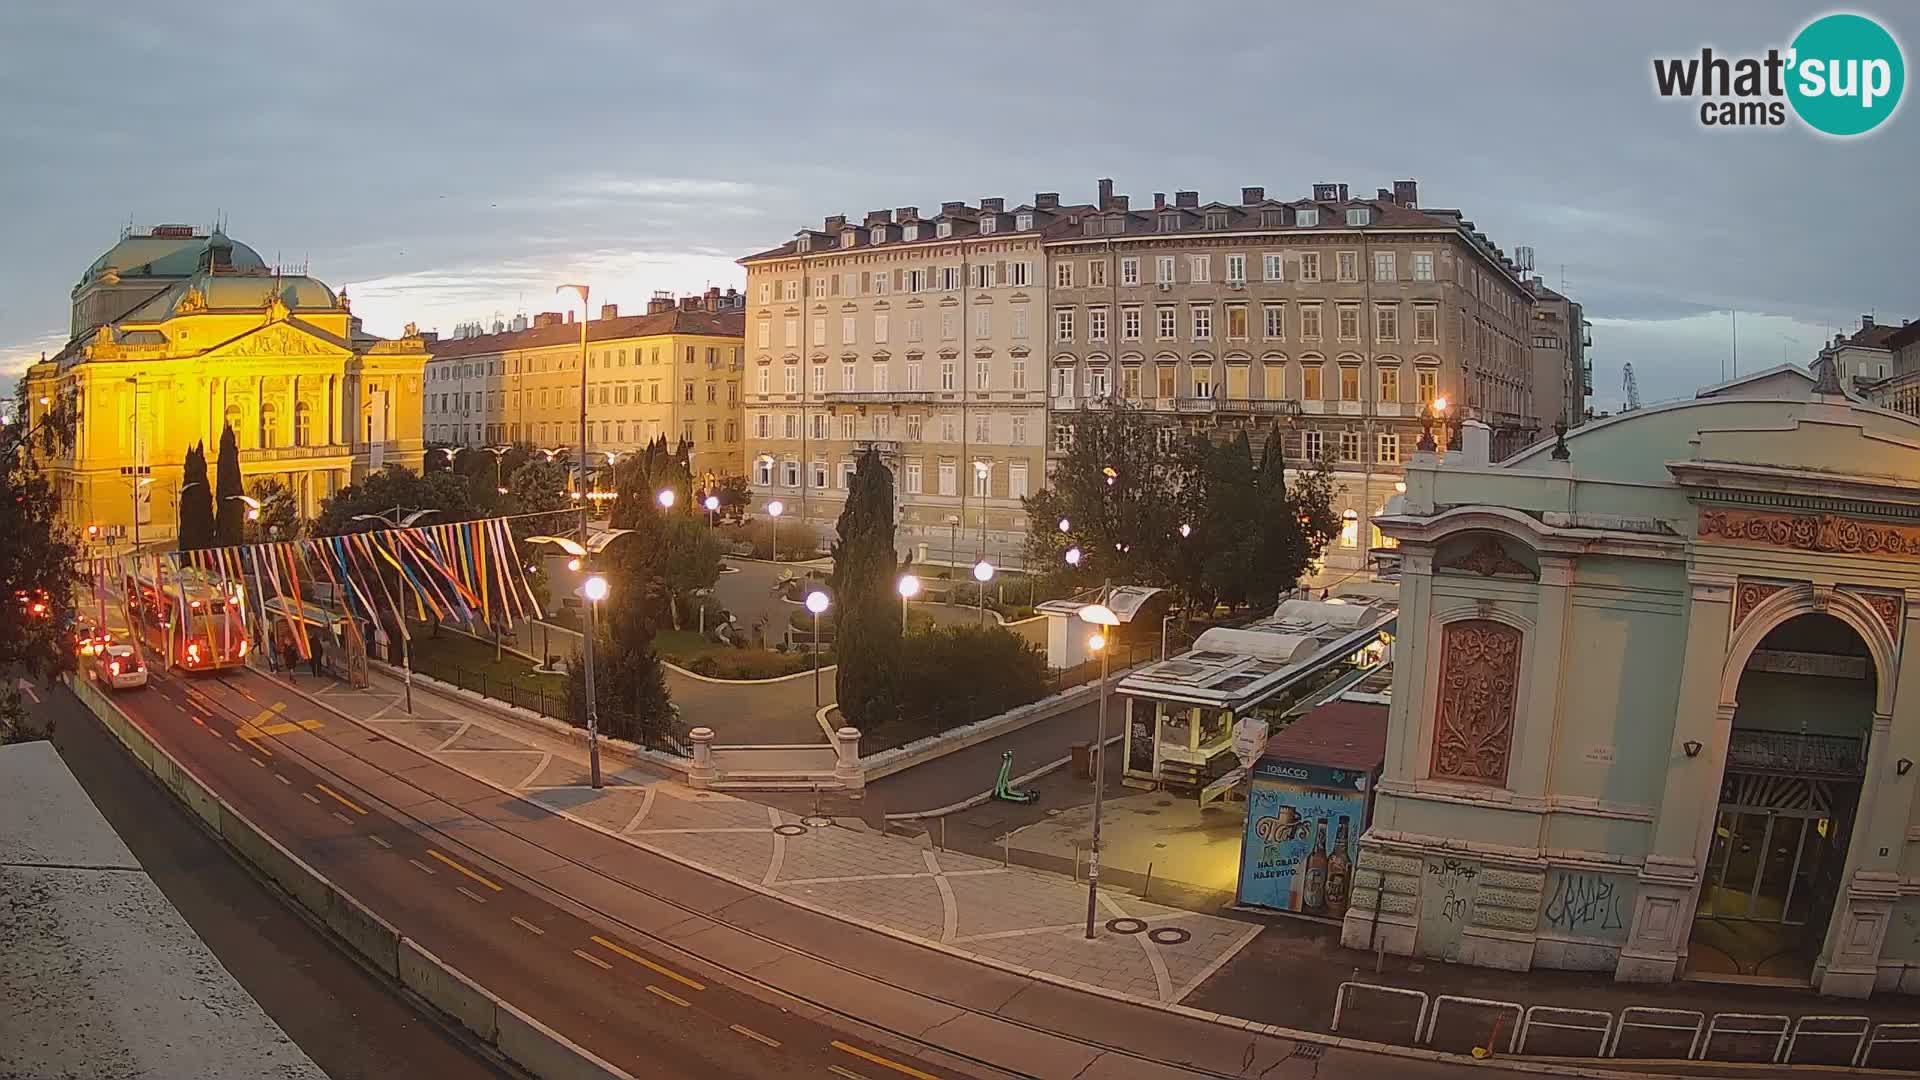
[(1350, 529), (233, 421), (267, 425), (302, 424)]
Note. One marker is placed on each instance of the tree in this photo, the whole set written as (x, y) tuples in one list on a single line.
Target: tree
[(395, 487), (735, 498), (229, 512), (196, 503), (279, 513), (1119, 494), (866, 627), (36, 562), (951, 675), (1296, 521)]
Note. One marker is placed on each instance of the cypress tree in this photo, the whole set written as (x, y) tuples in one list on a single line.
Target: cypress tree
[(196, 502), (866, 615), (229, 513)]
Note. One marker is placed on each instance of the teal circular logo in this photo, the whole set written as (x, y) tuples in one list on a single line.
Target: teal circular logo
[(1847, 74)]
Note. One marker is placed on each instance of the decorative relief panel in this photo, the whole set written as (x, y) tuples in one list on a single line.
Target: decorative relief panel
[(1488, 559), (1812, 532), (1748, 596), (1479, 684), (1885, 605)]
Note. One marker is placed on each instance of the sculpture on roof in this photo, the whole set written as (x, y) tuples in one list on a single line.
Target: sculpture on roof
[(191, 301)]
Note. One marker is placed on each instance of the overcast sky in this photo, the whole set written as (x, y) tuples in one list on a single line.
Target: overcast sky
[(454, 161)]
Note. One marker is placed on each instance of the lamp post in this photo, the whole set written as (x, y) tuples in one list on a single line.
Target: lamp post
[(665, 498), (909, 587), (817, 603), (774, 510), (588, 588), (712, 503), (1103, 619), (983, 573), (586, 645)]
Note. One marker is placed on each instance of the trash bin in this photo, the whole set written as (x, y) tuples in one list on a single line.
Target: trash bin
[(1082, 761)]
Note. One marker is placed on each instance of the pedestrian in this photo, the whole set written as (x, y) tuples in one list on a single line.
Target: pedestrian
[(319, 658)]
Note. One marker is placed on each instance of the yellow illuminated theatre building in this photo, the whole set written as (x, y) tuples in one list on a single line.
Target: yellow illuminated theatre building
[(178, 331)]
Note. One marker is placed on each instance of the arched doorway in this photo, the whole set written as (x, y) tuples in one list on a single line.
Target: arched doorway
[(1796, 758)]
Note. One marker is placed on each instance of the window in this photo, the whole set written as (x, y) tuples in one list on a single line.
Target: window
[(847, 426), (713, 430), (914, 422), (1019, 435), (819, 471), (1169, 222), (819, 379), (1426, 323), (1130, 270), (1203, 381), (983, 323), (686, 391), (1023, 221), (1349, 322), (1063, 382), (910, 232), (950, 278), (1237, 269), (763, 472), (1389, 448), (1202, 322), (1310, 374), (763, 334), (1429, 382), (943, 229), (1096, 273), (790, 473), (879, 329), (1097, 324), (1164, 267), (1163, 379), (916, 280), (793, 289), (792, 381), (819, 336), (1062, 438), (948, 328), (982, 374), (846, 330), (1063, 324), (1019, 374), (1307, 217), (1063, 275), (880, 373), (1358, 217), (947, 380), (1349, 382), (983, 276), (982, 429), (850, 283), (1310, 266), (1349, 521), (1349, 265), (1423, 266), (989, 223), (982, 480), (1165, 318), (1017, 274), (1275, 317), (1130, 382), (913, 374), (793, 333), (947, 478), (1383, 269), (1237, 322), (1017, 480), (913, 329), (762, 425), (1020, 322), (880, 282), (847, 380), (1386, 323), (1130, 324), (913, 477), (1389, 384), (766, 292), (1349, 447), (1098, 381)]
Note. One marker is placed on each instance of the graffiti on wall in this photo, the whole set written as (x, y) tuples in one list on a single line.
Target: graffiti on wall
[(1584, 903), (1447, 889)]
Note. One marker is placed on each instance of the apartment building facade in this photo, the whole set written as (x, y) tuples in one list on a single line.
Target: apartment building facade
[(1329, 321), (675, 372), (923, 336), (1560, 336)]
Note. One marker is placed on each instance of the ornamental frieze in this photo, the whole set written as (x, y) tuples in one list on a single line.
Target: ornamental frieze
[(1810, 532), (1749, 595), (1885, 605)]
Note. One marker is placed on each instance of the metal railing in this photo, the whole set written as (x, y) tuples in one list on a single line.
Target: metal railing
[(537, 699)]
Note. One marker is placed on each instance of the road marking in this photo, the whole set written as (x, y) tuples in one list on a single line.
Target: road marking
[(344, 819), (234, 746), (341, 799), (648, 964), (308, 795), (381, 842), (866, 1055), (283, 779), (258, 762), (442, 858), (421, 865), (675, 998), (594, 960), (470, 894), (755, 1036), (199, 721), (527, 926), (848, 1073)]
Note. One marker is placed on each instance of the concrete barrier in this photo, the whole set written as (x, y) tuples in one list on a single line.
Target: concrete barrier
[(370, 935), (449, 991), (182, 783), (283, 867), (548, 1054)]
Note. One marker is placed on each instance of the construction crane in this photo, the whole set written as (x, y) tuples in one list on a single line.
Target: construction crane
[(1631, 386)]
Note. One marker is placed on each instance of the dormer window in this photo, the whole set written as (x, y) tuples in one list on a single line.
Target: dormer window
[(1169, 222), (1359, 217), (805, 244), (989, 223), (1023, 222), (1273, 219), (943, 230), (1307, 217), (911, 232), (847, 238), (878, 235), (1216, 219), (1117, 224), (1094, 226)]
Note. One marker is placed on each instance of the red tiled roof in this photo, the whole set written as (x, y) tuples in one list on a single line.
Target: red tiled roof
[(1903, 337), (1046, 230), (716, 324), (1339, 734)]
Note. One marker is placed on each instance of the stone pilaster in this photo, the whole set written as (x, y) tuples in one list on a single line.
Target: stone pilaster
[(1383, 904)]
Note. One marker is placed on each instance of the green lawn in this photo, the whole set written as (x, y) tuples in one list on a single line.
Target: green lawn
[(441, 656), (686, 649)]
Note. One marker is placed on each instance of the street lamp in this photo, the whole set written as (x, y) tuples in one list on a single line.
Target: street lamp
[(1073, 556), (774, 510), (1186, 530), (665, 498), (1065, 525), (817, 603), (1103, 618), (579, 552), (252, 504), (983, 573), (909, 587), (712, 503)]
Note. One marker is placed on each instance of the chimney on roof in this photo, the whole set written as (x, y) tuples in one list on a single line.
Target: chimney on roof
[(1383, 195), (878, 217), (907, 213), (950, 207), (609, 311), (1106, 194), (1186, 199), (1326, 192), (835, 222), (713, 297), (1866, 322), (689, 303), (430, 336), (546, 318), (1251, 195), (993, 206), (1343, 193), (1120, 201), (1159, 200), (1046, 200), (569, 316), (662, 301), (1406, 193)]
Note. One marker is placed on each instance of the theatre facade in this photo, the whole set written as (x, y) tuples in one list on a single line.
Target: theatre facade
[(1652, 711)]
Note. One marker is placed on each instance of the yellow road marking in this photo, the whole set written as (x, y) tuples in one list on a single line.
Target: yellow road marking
[(308, 795), (421, 865), (848, 1073), (866, 1055), (648, 964), (442, 858), (755, 1036), (470, 894), (381, 842), (594, 960), (676, 999), (527, 926), (199, 721), (341, 799)]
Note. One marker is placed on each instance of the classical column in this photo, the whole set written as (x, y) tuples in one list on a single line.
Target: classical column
[(1670, 876), (1540, 712), (1406, 759)]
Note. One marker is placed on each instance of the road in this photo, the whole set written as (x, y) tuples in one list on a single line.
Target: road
[(352, 1022), (964, 773)]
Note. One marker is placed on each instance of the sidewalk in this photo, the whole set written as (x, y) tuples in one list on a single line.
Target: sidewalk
[(963, 774)]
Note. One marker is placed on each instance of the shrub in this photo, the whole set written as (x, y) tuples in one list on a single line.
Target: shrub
[(798, 542), (953, 675)]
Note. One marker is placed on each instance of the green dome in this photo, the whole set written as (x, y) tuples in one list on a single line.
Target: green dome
[(168, 256)]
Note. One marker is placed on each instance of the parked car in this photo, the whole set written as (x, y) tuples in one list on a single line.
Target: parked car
[(119, 667), (89, 638)]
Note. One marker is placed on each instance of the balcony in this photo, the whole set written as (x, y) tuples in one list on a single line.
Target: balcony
[(1259, 406), (1195, 405), (1062, 403), (877, 397)]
